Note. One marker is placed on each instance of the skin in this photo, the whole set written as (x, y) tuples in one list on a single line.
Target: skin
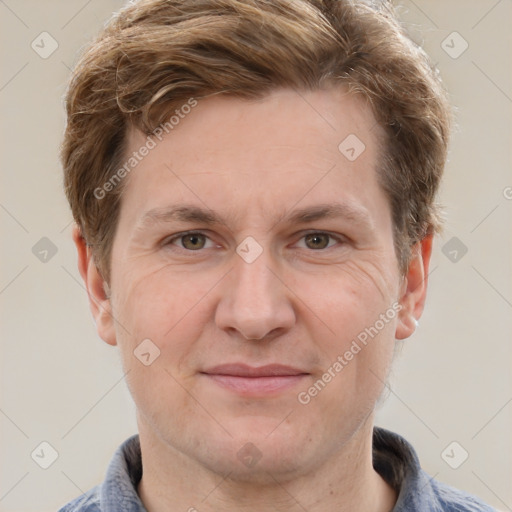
[(300, 303)]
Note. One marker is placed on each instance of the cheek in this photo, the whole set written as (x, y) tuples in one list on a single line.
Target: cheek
[(360, 309), (353, 379), (352, 300), (167, 307), (160, 299)]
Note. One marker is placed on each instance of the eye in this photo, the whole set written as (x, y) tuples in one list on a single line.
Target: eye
[(319, 240), (191, 241)]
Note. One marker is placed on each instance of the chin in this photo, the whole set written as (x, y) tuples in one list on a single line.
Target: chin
[(260, 468), (260, 454)]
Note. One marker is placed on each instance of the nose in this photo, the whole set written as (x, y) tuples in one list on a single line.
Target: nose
[(255, 302)]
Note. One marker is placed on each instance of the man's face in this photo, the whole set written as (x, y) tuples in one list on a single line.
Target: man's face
[(290, 259)]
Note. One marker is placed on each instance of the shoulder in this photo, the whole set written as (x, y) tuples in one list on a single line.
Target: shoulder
[(88, 502), (118, 491), (397, 462), (455, 500)]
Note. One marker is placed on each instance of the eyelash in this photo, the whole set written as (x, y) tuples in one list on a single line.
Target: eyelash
[(169, 241)]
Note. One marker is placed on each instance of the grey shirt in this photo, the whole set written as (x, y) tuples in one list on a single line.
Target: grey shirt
[(393, 458)]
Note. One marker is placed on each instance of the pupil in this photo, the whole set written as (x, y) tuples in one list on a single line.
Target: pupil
[(319, 241), (192, 241)]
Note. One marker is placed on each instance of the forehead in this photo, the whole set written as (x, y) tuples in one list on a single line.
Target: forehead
[(286, 148)]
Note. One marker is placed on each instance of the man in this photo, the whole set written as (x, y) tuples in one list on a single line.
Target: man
[(254, 188)]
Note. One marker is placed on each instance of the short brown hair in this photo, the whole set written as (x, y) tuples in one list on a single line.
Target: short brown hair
[(154, 55)]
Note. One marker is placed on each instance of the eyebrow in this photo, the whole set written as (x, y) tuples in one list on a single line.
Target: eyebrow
[(195, 214)]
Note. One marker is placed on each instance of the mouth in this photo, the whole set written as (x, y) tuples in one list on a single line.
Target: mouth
[(255, 381)]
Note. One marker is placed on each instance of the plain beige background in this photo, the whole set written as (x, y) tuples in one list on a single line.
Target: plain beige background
[(62, 385)]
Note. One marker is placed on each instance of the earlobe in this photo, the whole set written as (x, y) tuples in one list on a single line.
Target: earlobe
[(414, 289), (99, 300)]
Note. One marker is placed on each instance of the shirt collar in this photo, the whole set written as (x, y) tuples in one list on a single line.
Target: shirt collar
[(393, 458)]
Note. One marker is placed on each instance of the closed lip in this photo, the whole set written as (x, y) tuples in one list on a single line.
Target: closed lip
[(255, 381), (247, 371)]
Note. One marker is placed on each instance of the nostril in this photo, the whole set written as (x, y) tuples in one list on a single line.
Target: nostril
[(268, 335), (254, 339)]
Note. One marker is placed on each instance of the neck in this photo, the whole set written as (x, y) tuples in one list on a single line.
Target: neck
[(346, 482)]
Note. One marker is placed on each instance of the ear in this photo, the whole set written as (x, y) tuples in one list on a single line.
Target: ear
[(97, 287), (414, 288)]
